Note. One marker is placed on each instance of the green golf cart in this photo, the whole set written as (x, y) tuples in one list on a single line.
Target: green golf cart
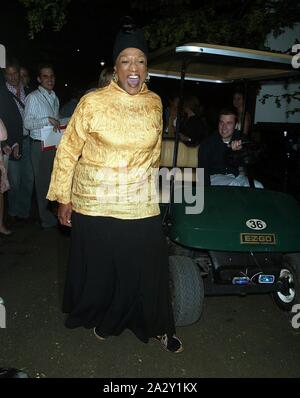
[(242, 240)]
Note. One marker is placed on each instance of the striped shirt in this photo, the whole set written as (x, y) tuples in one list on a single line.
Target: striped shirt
[(39, 106)]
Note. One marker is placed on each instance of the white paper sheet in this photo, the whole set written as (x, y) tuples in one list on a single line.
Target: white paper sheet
[(49, 137)]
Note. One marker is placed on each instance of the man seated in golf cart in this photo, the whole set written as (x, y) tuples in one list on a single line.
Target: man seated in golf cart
[(214, 154)]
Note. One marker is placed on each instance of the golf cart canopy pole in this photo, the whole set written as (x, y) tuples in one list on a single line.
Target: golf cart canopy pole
[(177, 132)]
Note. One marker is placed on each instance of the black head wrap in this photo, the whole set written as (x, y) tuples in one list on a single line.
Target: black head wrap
[(129, 36)]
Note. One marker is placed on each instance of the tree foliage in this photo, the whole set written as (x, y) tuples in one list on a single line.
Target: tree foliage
[(241, 23), (43, 12), (236, 22), (287, 97)]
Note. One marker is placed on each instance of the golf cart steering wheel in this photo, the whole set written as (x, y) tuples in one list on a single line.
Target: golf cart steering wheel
[(247, 155)]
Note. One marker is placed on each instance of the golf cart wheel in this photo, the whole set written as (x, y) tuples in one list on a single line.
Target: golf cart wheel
[(187, 290), (289, 275)]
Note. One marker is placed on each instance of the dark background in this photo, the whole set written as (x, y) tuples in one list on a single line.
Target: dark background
[(91, 27)]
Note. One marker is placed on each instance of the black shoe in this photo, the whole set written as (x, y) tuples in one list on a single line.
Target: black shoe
[(11, 373), (170, 343), (98, 335)]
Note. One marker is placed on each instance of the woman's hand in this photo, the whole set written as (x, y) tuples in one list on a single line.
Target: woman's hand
[(55, 123), (15, 152), (64, 214), (7, 150)]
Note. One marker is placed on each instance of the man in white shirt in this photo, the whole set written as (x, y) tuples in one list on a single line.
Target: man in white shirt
[(42, 109), (214, 150)]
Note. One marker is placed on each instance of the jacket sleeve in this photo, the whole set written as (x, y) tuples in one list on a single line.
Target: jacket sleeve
[(68, 153), (11, 117)]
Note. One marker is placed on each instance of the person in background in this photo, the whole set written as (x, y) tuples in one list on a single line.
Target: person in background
[(25, 78), (213, 153), (4, 185), (170, 116), (105, 77), (238, 103), (117, 276), (42, 109), (17, 145), (194, 128)]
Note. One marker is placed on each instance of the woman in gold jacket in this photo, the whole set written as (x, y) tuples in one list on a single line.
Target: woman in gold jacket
[(102, 178)]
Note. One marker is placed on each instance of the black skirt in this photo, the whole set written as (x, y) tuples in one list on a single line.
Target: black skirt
[(117, 277)]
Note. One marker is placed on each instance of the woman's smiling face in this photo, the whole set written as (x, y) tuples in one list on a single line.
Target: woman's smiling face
[(131, 69)]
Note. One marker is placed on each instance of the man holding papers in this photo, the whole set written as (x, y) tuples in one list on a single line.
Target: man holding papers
[(42, 112)]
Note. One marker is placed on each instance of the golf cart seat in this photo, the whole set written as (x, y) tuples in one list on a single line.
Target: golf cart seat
[(187, 155), (187, 162)]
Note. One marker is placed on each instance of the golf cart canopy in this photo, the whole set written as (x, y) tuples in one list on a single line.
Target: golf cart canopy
[(219, 64)]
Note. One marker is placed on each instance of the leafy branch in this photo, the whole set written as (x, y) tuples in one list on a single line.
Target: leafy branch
[(43, 12), (283, 97)]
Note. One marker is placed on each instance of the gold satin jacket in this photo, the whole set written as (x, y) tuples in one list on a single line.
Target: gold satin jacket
[(107, 154)]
